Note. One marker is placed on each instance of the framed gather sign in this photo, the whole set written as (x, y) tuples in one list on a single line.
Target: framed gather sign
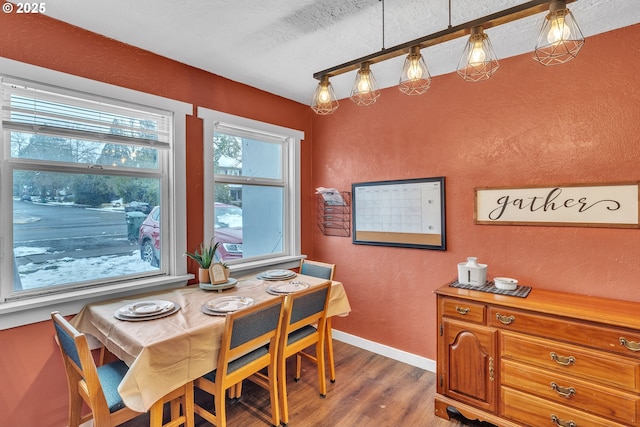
[(576, 205)]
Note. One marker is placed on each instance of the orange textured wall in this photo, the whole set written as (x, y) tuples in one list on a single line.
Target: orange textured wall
[(527, 125), (33, 390)]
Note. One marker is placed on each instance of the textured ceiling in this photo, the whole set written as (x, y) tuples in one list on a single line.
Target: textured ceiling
[(277, 45)]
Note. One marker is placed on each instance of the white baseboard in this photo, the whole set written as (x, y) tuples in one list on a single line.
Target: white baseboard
[(384, 350)]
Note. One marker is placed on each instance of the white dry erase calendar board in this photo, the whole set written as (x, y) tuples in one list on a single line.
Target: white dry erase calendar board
[(571, 205), (407, 213)]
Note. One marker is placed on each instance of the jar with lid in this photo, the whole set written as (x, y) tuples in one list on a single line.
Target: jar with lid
[(472, 272)]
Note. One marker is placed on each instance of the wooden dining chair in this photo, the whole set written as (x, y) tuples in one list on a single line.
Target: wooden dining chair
[(182, 397), (249, 344), (321, 270), (304, 325), (97, 386)]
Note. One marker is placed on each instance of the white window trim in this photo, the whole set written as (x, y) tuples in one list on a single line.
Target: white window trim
[(22, 312), (292, 215)]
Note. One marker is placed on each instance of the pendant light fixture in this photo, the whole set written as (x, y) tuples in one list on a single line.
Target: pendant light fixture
[(560, 38), (324, 99), (365, 90), (415, 78), (559, 41), (478, 61)]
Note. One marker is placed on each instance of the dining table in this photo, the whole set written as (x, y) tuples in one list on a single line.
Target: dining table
[(166, 351)]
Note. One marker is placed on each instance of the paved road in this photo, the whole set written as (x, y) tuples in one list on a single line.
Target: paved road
[(68, 231)]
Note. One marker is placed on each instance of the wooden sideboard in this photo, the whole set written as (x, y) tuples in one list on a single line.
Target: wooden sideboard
[(551, 358)]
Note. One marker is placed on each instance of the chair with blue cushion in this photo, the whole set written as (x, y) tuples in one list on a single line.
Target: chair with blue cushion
[(318, 269), (321, 270), (249, 344), (304, 325), (98, 385)]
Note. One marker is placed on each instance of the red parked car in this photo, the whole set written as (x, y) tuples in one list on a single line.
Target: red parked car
[(228, 231)]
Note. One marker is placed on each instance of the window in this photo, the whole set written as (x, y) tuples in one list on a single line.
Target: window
[(252, 190), (84, 178)]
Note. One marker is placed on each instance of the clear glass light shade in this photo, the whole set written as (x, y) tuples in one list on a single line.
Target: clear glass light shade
[(560, 38), (415, 78), (365, 89), (324, 99), (478, 60)]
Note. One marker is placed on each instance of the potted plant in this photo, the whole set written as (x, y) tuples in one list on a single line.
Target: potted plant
[(204, 258)]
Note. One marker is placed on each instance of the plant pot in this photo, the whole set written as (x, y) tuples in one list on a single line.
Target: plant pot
[(227, 272), (203, 275)]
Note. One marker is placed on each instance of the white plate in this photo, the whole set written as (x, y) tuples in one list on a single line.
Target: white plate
[(229, 304), (146, 308), (276, 275), (287, 288), (220, 286), (122, 316), (205, 310)]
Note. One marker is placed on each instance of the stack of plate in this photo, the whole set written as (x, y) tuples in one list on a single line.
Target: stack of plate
[(220, 286), (286, 288), (225, 305), (146, 310), (276, 275)]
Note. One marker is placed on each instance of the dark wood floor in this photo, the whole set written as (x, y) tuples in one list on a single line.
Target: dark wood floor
[(370, 390)]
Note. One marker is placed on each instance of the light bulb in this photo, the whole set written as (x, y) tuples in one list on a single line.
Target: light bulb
[(364, 85), (365, 89), (477, 55), (558, 31), (415, 71), (324, 100), (324, 96)]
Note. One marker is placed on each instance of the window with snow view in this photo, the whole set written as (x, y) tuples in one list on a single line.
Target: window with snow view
[(89, 188), (252, 201)]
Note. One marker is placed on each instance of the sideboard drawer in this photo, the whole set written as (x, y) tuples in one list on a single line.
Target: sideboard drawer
[(618, 340), (533, 411), (567, 391), (573, 361), (464, 310)]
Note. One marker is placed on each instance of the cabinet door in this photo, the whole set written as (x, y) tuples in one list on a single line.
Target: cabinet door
[(468, 364)]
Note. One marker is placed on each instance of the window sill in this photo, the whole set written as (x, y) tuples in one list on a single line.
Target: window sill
[(32, 310), (23, 312), (285, 262)]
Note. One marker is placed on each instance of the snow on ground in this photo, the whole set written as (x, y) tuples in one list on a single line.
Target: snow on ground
[(67, 270), (25, 251)]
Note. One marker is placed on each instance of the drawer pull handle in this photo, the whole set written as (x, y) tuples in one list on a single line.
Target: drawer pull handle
[(561, 423), (506, 320), (630, 345), (562, 360), (462, 311), (563, 391)]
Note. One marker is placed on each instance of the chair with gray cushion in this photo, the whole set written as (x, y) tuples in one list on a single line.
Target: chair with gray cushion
[(304, 325), (321, 270), (318, 269), (97, 386), (249, 344)]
